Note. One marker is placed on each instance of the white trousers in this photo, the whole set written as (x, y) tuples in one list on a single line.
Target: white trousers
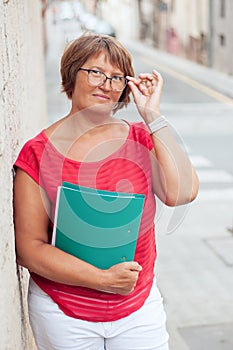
[(53, 330)]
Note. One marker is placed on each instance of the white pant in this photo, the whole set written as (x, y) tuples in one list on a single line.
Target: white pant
[(53, 330)]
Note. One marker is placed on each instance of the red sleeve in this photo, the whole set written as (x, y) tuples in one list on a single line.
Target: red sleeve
[(29, 158)]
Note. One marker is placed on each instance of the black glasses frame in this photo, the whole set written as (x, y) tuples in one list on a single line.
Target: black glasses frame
[(106, 77)]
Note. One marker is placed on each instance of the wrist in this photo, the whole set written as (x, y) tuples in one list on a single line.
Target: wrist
[(157, 124), (104, 281), (150, 116)]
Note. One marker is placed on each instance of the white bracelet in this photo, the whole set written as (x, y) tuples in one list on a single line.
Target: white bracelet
[(157, 124)]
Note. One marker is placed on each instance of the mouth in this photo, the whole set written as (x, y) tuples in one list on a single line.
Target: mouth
[(101, 97)]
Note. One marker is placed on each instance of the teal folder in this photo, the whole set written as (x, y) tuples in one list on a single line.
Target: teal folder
[(100, 227)]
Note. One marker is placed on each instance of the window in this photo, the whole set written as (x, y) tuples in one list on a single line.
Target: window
[(222, 8), (222, 40)]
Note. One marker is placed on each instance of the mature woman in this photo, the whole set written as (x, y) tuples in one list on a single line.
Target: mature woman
[(73, 304)]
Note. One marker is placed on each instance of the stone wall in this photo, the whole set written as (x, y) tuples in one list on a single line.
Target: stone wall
[(22, 114)]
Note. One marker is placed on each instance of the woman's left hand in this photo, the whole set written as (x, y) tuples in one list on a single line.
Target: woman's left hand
[(147, 90)]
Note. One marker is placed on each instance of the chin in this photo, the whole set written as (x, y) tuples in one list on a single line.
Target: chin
[(101, 108)]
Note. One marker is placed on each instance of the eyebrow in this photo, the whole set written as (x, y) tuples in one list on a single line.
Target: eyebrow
[(102, 70)]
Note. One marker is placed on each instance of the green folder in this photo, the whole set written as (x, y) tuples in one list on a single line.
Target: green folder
[(100, 227)]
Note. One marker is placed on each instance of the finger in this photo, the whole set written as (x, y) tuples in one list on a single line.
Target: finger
[(150, 81), (158, 77), (134, 266), (135, 90), (146, 76), (151, 77), (134, 79), (155, 72), (143, 87), (143, 82), (139, 81)]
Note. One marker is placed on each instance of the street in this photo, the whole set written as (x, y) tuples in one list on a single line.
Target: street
[(194, 242)]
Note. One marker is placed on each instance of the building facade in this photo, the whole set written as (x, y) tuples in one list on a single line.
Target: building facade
[(221, 35), (187, 29), (202, 30)]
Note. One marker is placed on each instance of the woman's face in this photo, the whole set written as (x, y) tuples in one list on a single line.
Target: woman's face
[(102, 97)]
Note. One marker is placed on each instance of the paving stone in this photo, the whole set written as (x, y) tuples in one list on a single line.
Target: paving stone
[(223, 248), (217, 337)]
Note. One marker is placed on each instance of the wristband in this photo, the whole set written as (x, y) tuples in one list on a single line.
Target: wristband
[(157, 124)]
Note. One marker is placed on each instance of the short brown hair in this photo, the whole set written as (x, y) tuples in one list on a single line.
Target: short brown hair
[(87, 45)]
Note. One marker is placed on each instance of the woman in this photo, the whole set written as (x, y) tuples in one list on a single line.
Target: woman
[(72, 304)]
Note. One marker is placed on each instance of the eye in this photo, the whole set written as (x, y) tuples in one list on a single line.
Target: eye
[(118, 78), (95, 72)]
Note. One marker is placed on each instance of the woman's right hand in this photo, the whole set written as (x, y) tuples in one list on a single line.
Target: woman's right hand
[(122, 278)]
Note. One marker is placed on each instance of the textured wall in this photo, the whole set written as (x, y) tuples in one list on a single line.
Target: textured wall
[(22, 114)]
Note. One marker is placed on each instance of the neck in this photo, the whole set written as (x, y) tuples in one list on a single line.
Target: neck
[(90, 118)]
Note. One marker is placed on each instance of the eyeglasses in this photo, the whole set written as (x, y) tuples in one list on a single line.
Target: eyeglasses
[(97, 78)]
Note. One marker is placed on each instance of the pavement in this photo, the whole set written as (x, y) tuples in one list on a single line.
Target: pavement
[(195, 261)]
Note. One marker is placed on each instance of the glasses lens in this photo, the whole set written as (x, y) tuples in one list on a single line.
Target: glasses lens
[(118, 83), (96, 78)]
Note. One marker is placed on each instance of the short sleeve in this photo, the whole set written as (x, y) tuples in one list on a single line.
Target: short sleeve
[(29, 158)]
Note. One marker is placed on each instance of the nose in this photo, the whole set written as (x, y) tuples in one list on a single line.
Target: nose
[(106, 84)]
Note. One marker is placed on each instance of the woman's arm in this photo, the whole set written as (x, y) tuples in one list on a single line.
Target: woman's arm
[(31, 208), (175, 181)]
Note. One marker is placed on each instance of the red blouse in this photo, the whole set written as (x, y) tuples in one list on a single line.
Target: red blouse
[(127, 170)]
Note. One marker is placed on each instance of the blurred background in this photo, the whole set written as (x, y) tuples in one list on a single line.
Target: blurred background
[(191, 43), (198, 30)]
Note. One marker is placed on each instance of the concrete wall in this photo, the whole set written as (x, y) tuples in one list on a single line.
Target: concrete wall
[(22, 114)]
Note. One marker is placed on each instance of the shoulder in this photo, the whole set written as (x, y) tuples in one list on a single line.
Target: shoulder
[(35, 144), (140, 133), (140, 127)]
